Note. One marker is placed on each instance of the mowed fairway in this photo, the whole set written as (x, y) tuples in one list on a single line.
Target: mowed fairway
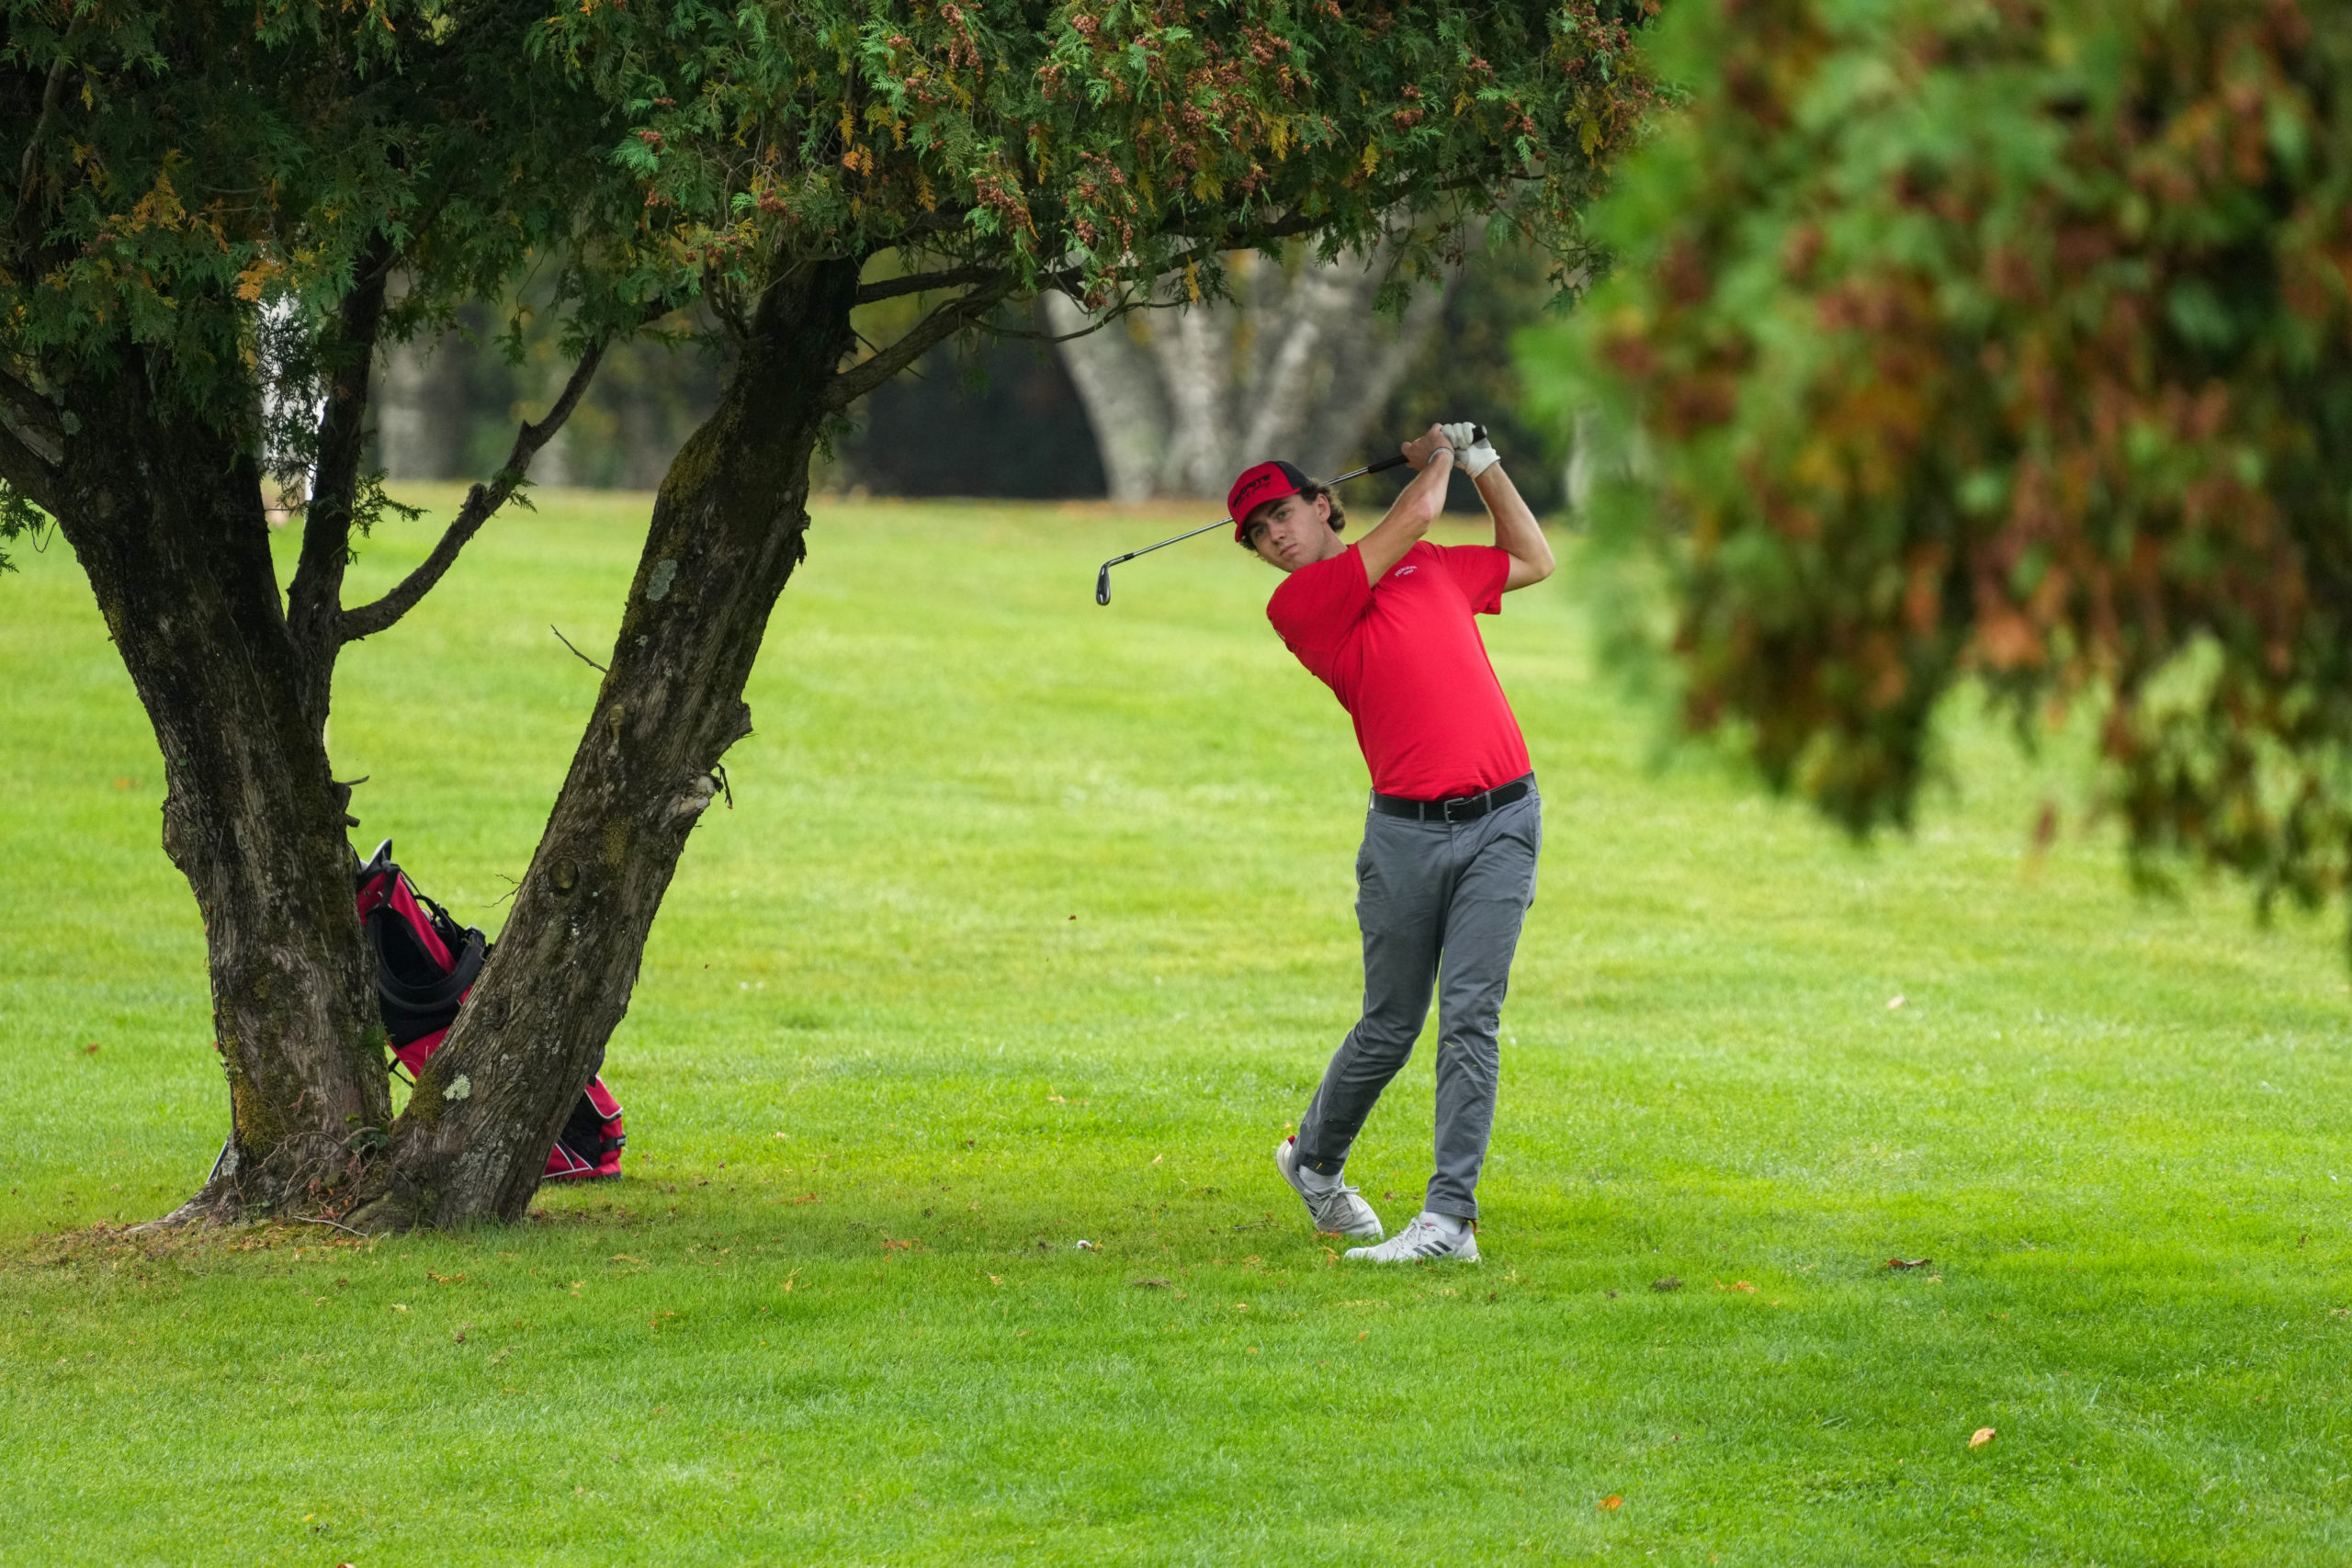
[(1032, 925)]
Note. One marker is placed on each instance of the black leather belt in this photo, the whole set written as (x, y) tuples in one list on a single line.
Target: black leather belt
[(1461, 809)]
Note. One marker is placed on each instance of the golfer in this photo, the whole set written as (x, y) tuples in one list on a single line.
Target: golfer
[(1448, 864)]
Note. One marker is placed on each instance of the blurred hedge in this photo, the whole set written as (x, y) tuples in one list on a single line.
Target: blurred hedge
[(2008, 341)]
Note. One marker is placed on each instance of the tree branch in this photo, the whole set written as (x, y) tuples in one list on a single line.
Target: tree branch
[(480, 502), (953, 277), (600, 669), (52, 92), (994, 285), (854, 383), (32, 443), (314, 598)]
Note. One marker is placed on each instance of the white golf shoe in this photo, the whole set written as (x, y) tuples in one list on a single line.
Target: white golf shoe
[(1331, 1202), (1431, 1238)]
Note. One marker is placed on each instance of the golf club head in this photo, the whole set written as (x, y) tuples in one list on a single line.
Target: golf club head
[(1103, 586)]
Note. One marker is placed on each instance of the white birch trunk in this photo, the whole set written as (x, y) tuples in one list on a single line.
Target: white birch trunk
[(1183, 397)]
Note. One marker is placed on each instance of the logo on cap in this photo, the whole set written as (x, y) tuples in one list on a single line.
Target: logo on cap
[(1257, 486)]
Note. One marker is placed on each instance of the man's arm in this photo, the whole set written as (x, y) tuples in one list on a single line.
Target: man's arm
[(1517, 534), (1417, 508), (1516, 531)]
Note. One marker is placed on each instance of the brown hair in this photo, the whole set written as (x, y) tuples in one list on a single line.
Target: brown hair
[(1306, 491)]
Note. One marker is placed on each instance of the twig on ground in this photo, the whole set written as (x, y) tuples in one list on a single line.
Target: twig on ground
[(314, 1219)]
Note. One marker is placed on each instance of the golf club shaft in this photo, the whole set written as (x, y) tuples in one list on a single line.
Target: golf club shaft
[(1117, 560), (1223, 521), (1102, 577)]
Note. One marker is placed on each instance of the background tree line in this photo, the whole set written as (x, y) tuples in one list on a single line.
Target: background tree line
[(1006, 414)]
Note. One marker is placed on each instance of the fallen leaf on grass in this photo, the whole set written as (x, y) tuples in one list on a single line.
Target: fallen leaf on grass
[(1611, 1503), (1909, 1262), (807, 1198), (1739, 1285), (1672, 1282), (1982, 1436), (91, 1049), (445, 1279), (890, 1246), (400, 1306), (996, 1279), (625, 1258), (1894, 1003)]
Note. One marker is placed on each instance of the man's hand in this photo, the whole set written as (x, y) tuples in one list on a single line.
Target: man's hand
[(1472, 448), (1422, 448)]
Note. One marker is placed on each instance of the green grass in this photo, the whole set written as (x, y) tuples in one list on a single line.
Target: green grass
[(1032, 924)]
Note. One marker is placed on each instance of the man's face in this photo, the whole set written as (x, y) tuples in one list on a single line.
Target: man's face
[(1293, 532)]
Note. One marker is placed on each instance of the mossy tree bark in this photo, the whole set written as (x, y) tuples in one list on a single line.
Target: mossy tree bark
[(727, 529), (163, 505), (166, 517), (170, 530)]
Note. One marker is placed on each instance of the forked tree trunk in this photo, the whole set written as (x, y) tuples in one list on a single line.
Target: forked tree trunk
[(726, 531), (169, 528)]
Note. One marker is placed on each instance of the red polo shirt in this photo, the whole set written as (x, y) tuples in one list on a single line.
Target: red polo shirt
[(1405, 660)]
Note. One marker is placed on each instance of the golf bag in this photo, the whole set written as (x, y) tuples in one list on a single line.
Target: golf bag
[(425, 963)]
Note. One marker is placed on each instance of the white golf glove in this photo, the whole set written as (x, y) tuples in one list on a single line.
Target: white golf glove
[(1475, 458)]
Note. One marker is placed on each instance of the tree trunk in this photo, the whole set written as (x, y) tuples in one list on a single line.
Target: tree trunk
[(168, 525), (1124, 401), (726, 531), (422, 411), (1293, 365)]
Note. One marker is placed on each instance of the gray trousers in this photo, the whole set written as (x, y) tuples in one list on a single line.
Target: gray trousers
[(1440, 904)]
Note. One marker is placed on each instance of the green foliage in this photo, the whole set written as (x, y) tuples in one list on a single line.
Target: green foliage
[(200, 188), (203, 189), (1095, 146), (2014, 343), (19, 518)]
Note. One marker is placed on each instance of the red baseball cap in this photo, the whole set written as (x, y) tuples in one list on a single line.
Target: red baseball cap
[(1257, 486)]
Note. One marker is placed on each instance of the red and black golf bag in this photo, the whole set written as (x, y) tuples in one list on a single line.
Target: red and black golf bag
[(425, 963)]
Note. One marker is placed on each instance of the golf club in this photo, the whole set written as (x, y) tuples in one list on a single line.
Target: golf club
[(1102, 578)]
